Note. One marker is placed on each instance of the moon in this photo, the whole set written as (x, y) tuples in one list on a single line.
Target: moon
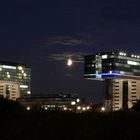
[(69, 62)]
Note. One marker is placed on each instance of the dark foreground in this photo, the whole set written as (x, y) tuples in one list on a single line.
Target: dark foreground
[(38, 125), (19, 124)]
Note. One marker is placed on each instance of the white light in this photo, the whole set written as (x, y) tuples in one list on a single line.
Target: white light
[(65, 108), (46, 108), (122, 72), (110, 72), (0, 69), (69, 63), (78, 100), (122, 54), (23, 86), (102, 108), (8, 67), (8, 76), (20, 68), (133, 63), (104, 56), (79, 108), (28, 108), (28, 92), (25, 74), (73, 103), (88, 107), (83, 108)]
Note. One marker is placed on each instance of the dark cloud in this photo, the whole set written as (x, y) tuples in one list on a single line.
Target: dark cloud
[(77, 57), (67, 41)]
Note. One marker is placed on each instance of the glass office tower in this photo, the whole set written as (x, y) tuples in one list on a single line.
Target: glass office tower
[(15, 80), (120, 72), (112, 64)]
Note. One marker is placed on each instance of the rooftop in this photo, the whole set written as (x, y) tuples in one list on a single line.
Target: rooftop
[(12, 63)]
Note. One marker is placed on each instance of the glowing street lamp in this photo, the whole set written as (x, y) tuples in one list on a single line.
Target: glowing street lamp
[(28, 108), (65, 108), (102, 109)]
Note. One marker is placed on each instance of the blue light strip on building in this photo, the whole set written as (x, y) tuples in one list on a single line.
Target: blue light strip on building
[(111, 74), (104, 74)]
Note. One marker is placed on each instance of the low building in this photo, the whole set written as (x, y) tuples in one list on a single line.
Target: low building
[(65, 102)]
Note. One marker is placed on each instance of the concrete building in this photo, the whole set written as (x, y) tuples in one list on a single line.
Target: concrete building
[(124, 93), (14, 80), (10, 90), (121, 74)]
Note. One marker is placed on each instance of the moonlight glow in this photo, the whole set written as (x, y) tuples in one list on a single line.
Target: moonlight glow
[(69, 63)]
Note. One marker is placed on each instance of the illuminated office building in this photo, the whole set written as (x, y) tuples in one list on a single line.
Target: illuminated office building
[(14, 80), (61, 101), (121, 74)]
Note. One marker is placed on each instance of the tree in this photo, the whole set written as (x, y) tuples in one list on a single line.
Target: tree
[(136, 107)]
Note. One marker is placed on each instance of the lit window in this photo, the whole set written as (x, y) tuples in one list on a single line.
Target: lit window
[(73, 103), (28, 92), (104, 56), (122, 54), (110, 72), (23, 86), (7, 72), (8, 67), (133, 63), (78, 100), (20, 68)]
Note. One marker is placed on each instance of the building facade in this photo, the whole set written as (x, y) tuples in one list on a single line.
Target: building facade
[(121, 93), (63, 102), (112, 64), (121, 75), (15, 80)]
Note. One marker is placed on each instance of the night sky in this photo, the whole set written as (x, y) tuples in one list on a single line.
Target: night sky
[(44, 34)]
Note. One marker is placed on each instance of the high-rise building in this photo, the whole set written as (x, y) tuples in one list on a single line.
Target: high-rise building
[(121, 74), (15, 80)]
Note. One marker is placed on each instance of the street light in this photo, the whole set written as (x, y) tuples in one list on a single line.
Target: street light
[(102, 109)]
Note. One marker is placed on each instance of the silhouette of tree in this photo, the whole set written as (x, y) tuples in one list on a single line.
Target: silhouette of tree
[(136, 107)]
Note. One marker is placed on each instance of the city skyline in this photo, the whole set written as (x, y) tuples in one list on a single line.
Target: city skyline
[(45, 34)]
